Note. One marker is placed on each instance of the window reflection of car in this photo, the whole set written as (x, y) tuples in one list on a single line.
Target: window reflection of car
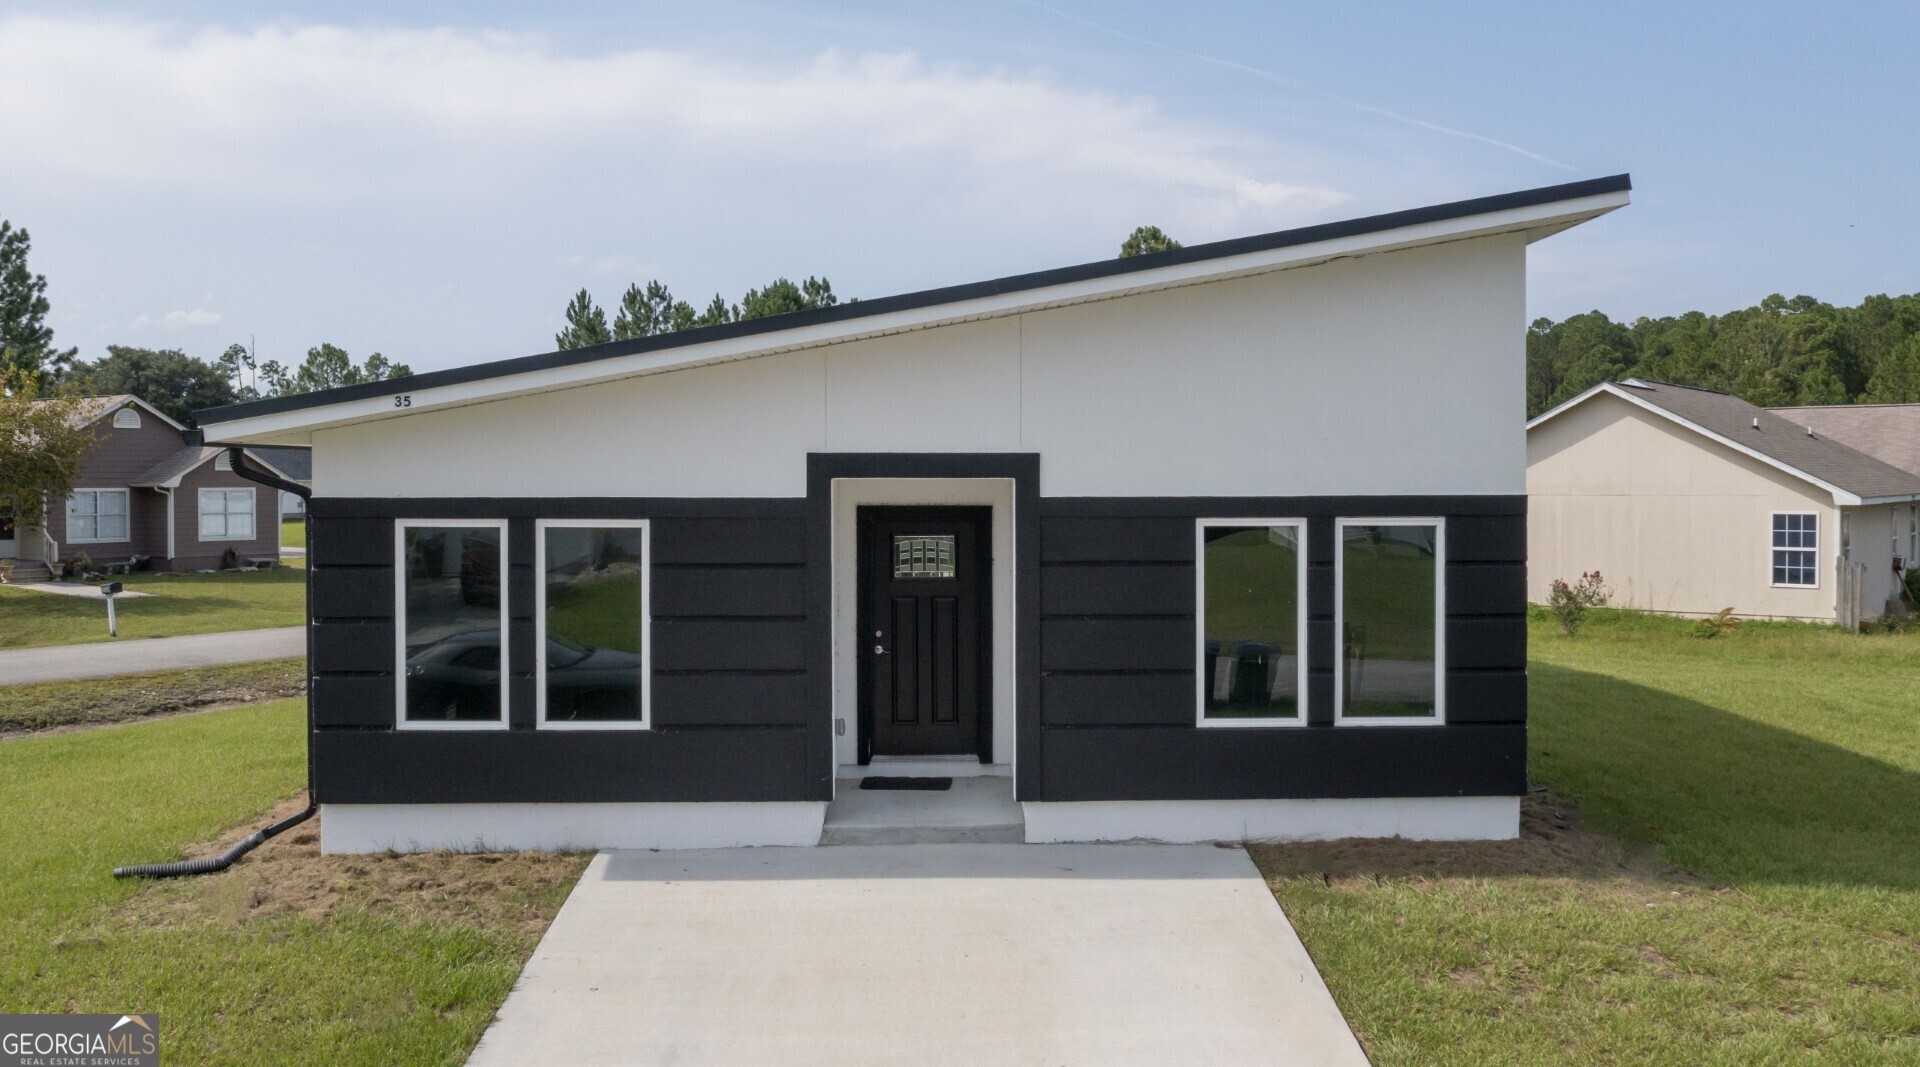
[(458, 677), (480, 570)]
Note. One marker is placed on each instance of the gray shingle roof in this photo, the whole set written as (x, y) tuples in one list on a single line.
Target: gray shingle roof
[(175, 465), (1889, 433), (1777, 437), (295, 463)]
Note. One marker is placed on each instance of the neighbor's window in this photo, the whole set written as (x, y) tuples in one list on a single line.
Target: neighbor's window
[(95, 516), (1387, 614), (452, 624), (226, 514), (1796, 549), (1252, 622), (593, 659), (126, 419)]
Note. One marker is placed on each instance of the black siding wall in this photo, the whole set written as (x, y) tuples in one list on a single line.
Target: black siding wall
[(742, 649), (733, 672), (1117, 659)]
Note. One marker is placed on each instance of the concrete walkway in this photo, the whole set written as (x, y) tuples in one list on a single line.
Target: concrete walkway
[(921, 954), (58, 663), (79, 589)]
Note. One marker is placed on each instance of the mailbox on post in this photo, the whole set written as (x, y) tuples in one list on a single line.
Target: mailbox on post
[(108, 590)]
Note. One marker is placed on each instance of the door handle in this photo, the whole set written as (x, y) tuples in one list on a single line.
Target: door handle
[(878, 651)]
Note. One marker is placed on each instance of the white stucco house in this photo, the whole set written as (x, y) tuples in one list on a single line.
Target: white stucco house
[(1692, 501), (1219, 543)]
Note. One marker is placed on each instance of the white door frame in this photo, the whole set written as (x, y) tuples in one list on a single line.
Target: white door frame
[(851, 494)]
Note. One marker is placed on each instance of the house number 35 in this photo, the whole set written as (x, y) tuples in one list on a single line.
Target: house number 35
[(403, 401)]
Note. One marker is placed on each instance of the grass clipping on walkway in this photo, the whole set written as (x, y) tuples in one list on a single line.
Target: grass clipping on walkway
[(286, 957), (98, 701)]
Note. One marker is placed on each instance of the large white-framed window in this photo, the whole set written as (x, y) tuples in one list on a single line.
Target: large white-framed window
[(593, 624), (1389, 617), (1796, 550), (226, 514), (450, 624), (96, 516), (1250, 612)]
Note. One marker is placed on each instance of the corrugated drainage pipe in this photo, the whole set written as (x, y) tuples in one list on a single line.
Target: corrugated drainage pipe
[(226, 859)]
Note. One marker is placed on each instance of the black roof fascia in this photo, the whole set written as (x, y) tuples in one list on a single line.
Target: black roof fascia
[(951, 294)]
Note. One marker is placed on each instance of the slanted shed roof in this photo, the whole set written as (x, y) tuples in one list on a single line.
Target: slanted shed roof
[(1851, 475), (1889, 433), (1534, 213)]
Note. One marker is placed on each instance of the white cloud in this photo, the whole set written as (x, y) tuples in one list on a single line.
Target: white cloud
[(177, 319), (327, 115)]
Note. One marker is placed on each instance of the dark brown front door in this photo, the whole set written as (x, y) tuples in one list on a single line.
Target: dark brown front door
[(924, 591)]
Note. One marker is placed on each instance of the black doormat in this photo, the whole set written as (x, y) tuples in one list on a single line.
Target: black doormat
[(882, 781)]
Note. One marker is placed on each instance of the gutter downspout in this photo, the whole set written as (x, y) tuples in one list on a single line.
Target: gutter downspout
[(226, 859), (168, 491)]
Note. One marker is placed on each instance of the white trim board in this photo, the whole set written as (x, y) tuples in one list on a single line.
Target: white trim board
[(364, 828), (1199, 821)]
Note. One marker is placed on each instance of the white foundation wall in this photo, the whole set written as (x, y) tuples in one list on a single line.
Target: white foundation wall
[(1380, 374), (1675, 522), (1197, 821), (364, 828)]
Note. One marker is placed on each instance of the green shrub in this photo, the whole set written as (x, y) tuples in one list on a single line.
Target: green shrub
[(1570, 603)]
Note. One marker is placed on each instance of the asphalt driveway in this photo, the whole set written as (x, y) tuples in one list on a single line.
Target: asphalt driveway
[(921, 954), (56, 663)]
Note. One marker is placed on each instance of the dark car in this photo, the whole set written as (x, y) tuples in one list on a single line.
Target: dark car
[(458, 677)]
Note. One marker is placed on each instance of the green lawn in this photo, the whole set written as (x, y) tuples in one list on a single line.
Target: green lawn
[(293, 533), (1746, 889), (98, 701), (287, 958), (182, 604)]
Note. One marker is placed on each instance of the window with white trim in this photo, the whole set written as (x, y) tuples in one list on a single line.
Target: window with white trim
[(96, 516), (126, 419), (592, 627), (1252, 622), (450, 623), (1913, 536), (1389, 604), (226, 514), (1796, 549)]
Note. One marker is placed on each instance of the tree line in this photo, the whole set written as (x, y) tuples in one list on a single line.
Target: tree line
[(31, 366), (1779, 352)]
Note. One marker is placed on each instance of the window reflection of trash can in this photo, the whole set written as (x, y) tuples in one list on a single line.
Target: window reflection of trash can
[(1218, 687), (1253, 671)]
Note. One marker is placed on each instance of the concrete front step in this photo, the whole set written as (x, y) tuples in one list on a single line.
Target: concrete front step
[(976, 811), (30, 572)]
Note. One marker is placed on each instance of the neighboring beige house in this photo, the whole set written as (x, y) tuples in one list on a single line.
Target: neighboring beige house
[(1691, 501)]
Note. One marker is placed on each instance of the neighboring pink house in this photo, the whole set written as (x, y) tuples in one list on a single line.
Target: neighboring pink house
[(150, 487)]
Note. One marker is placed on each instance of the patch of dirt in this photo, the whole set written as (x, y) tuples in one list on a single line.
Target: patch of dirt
[(1552, 844), (287, 876), (173, 713), (62, 707)]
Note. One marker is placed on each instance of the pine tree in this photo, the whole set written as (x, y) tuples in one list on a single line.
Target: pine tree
[(586, 324), (26, 341), (1145, 240)]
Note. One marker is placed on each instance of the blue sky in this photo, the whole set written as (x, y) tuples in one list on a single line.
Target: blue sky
[(434, 184)]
